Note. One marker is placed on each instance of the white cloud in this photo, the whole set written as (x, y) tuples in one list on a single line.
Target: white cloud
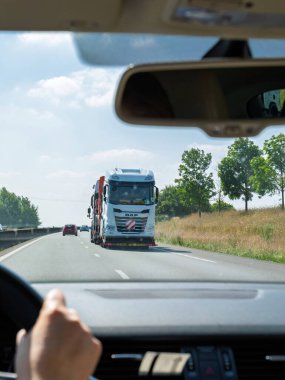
[(100, 100), (45, 157), (41, 115), (65, 174), (98, 163), (58, 87), (124, 154), (46, 39), (6, 175), (90, 87)]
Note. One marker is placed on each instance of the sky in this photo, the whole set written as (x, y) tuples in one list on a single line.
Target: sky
[(59, 132)]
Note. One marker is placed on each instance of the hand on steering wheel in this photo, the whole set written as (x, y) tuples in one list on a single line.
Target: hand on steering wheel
[(59, 346)]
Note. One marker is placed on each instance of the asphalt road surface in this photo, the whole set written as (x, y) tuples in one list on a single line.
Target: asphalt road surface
[(55, 258)]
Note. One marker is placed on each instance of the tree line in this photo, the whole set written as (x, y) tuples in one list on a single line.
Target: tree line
[(245, 170), (17, 211)]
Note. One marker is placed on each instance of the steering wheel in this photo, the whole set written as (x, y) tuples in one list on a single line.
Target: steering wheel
[(20, 302)]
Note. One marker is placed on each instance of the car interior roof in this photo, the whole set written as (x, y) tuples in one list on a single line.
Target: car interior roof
[(136, 16)]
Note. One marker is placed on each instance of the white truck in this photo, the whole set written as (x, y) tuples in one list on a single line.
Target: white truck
[(123, 208)]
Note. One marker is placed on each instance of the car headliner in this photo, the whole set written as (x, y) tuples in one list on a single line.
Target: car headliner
[(137, 16)]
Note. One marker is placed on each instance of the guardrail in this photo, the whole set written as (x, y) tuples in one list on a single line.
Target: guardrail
[(11, 237)]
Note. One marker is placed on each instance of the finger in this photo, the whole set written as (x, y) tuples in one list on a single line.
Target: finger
[(98, 349), (54, 299), (73, 315), (20, 335)]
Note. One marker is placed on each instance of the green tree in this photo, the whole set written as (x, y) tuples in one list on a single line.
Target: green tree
[(29, 213), (269, 171), (274, 149), (219, 198), (221, 205), (16, 211), (197, 185), (10, 208), (172, 202), (235, 170), (263, 177)]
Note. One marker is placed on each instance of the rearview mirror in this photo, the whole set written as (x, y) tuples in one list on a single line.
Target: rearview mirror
[(229, 98)]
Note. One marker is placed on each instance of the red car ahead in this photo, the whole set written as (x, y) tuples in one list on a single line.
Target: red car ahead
[(69, 229)]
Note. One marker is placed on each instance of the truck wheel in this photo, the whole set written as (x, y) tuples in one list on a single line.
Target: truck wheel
[(103, 245)]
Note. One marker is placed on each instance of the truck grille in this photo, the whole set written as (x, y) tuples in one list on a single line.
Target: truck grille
[(130, 225)]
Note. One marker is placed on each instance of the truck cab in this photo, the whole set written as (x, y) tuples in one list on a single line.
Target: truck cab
[(124, 210)]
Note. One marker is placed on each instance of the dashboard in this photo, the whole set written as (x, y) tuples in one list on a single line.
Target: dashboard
[(178, 330)]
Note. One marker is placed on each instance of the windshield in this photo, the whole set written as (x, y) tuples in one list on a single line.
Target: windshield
[(127, 193), (161, 204)]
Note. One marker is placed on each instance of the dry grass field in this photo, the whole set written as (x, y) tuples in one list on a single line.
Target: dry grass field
[(258, 234)]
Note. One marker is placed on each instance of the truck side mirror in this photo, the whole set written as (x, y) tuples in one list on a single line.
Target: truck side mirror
[(156, 195), (88, 212)]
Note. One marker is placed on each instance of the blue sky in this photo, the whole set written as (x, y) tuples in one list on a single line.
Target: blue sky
[(59, 132)]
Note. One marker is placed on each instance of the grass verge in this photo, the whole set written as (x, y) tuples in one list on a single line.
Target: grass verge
[(258, 234)]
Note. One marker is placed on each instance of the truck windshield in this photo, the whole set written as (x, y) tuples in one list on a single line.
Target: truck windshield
[(131, 193)]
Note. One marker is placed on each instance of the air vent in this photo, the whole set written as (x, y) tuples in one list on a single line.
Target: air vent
[(128, 368), (249, 355), (251, 360)]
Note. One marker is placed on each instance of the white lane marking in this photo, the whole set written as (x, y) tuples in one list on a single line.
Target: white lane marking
[(193, 257), (20, 248), (122, 274), (97, 255), (86, 246)]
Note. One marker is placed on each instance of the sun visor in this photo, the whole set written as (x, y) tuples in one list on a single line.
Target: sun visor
[(231, 18)]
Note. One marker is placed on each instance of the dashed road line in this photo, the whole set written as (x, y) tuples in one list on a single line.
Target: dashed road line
[(97, 255), (122, 274)]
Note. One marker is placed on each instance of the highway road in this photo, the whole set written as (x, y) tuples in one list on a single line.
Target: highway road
[(55, 258)]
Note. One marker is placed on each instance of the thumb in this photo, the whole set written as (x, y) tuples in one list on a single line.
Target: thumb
[(20, 335)]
